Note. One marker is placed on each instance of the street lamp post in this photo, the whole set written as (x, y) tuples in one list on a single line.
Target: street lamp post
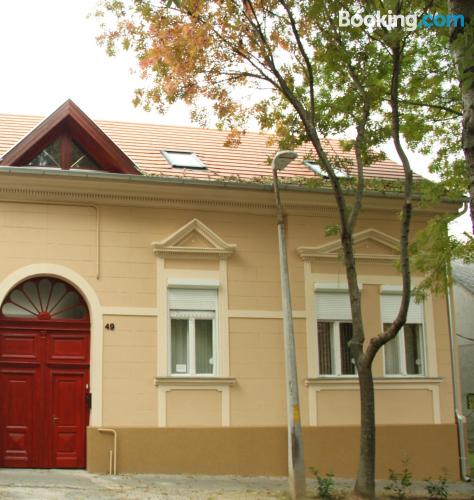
[(296, 470)]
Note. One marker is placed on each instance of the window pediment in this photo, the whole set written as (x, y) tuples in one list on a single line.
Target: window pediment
[(194, 239), (370, 244)]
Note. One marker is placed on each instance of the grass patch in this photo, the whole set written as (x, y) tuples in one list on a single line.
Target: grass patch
[(471, 461)]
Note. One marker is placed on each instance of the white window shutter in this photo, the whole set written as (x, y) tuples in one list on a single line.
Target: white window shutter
[(333, 306), (390, 304), (192, 299)]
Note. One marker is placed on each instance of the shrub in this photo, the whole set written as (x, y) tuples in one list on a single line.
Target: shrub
[(437, 489), (326, 485), (400, 482)]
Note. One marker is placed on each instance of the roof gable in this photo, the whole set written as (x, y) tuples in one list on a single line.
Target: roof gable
[(69, 120), (370, 244)]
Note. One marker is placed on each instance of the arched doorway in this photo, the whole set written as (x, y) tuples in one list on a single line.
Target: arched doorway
[(44, 375)]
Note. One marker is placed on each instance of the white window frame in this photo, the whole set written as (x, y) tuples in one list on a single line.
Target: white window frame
[(400, 337), (337, 290), (195, 162), (191, 315), (336, 349), (400, 342)]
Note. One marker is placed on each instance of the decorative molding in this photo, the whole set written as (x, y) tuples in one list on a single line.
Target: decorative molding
[(129, 311), (200, 384), (259, 314), (173, 244), (194, 381), (333, 249), (319, 384), (346, 382)]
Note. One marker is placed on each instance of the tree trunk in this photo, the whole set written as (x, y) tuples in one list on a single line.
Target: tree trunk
[(465, 66), (365, 483)]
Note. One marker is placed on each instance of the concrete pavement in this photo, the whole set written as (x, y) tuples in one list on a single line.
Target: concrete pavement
[(41, 484)]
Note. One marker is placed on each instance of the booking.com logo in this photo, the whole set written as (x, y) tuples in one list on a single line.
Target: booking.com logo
[(409, 21)]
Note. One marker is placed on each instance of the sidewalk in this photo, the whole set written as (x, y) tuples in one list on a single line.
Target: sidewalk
[(40, 484)]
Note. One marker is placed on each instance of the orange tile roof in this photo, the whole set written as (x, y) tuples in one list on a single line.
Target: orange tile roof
[(143, 142)]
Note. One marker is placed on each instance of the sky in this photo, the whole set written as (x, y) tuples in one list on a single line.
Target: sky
[(49, 54)]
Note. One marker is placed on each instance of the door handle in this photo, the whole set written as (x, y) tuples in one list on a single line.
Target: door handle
[(55, 419)]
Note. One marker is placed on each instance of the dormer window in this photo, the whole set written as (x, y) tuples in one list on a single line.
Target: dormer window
[(69, 140), (183, 159), (64, 153)]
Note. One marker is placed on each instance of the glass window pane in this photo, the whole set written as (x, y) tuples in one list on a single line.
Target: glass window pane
[(413, 350), (345, 335), (49, 157), (183, 159), (204, 354), (325, 348), (392, 355), (79, 159), (179, 346)]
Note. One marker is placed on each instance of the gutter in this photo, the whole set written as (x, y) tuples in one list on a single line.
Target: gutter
[(156, 180)]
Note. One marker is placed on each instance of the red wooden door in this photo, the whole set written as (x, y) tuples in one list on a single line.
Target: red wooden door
[(68, 418), (19, 388), (44, 382)]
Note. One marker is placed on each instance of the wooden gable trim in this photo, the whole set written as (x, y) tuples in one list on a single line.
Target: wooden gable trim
[(70, 119), (333, 250), (171, 245)]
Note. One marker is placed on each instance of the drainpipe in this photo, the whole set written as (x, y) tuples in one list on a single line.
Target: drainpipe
[(113, 461), (454, 373)]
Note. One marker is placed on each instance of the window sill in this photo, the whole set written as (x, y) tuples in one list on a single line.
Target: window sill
[(353, 379), (190, 380)]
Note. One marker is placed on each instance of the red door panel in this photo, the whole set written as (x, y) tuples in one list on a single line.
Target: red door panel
[(18, 389), (44, 377), (67, 348), (68, 418), (18, 346)]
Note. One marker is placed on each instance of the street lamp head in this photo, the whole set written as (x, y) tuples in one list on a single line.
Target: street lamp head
[(282, 159)]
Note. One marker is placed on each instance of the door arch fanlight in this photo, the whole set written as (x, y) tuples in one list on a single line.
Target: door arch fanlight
[(44, 299)]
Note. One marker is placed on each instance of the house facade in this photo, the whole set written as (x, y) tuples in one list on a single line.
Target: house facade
[(141, 322), (463, 294)]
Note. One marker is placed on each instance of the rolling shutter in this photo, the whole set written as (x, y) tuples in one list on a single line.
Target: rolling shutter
[(192, 299), (390, 304), (333, 306)]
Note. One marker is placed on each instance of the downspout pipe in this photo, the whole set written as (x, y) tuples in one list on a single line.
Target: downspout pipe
[(454, 373), (113, 464)]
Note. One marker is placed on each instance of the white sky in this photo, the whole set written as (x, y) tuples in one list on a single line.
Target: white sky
[(49, 54)]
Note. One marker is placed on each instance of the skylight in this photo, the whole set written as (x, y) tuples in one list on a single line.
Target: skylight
[(313, 165), (183, 159)]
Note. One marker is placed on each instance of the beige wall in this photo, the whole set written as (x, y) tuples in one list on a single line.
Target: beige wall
[(110, 246), (129, 367)]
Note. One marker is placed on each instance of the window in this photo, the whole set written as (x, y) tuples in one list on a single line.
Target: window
[(403, 355), (183, 159), (314, 166), (334, 354), (192, 331), (64, 153), (334, 332)]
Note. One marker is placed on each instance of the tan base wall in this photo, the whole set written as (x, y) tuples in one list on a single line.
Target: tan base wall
[(262, 451)]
